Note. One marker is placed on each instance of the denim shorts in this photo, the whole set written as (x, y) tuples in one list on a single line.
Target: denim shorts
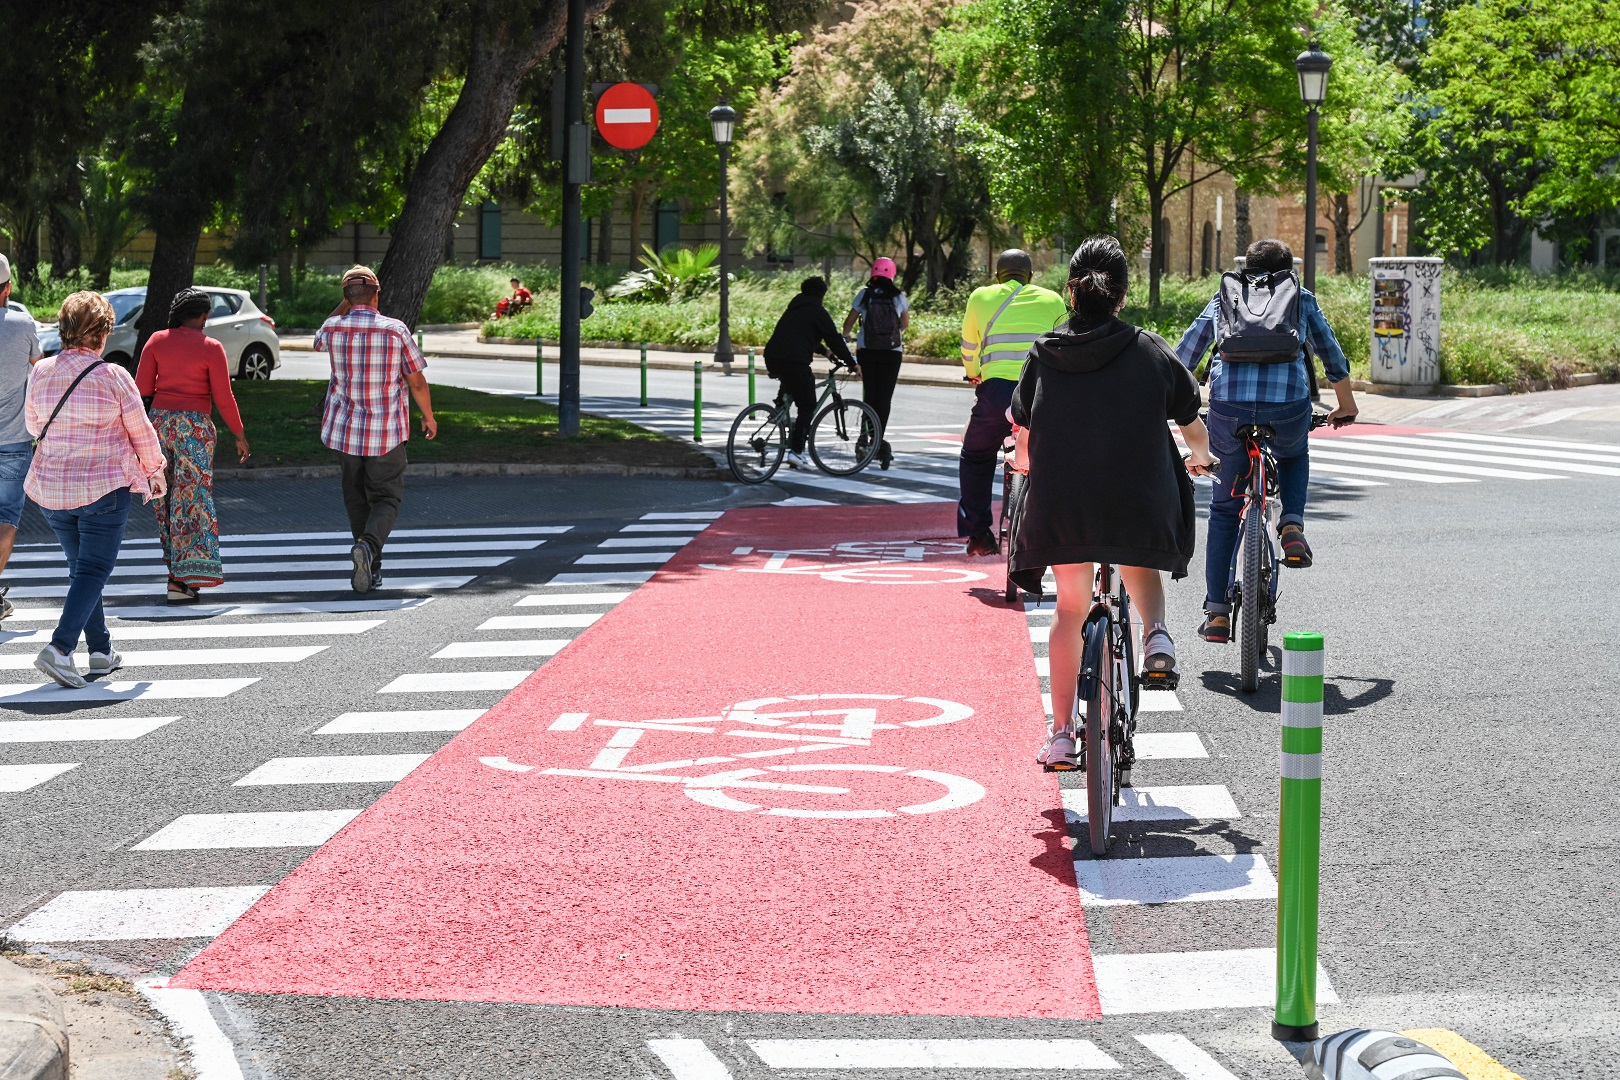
[(14, 461)]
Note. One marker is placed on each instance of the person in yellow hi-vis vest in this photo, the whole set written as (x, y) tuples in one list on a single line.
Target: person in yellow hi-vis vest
[(1002, 322)]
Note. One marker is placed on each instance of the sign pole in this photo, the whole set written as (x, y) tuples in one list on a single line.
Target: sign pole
[(576, 172)]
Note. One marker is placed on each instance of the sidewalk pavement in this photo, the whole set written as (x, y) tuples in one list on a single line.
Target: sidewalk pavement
[(33, 1028)]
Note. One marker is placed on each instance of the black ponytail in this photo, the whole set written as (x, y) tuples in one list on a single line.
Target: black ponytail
[(1098, 277)]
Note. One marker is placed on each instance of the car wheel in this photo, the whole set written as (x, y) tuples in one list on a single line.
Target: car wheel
[(256, 363), (123, 360)]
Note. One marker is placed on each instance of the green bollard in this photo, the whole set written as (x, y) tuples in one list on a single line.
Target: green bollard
[(643, 374), (419, 341), (750, 376), (539, 368), (1299, 839), (697, 401)]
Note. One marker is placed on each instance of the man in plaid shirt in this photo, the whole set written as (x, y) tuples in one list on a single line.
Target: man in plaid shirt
[(1278, 395), (367, 418)]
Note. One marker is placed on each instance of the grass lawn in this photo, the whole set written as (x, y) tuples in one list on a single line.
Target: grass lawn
[(283, 420)]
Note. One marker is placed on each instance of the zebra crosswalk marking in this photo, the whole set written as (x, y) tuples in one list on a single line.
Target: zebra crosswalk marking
[(155, 690), (215, 630), (81, 729), (19, 778)]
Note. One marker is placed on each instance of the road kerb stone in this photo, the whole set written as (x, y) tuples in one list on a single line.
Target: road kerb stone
[(33, 1029)]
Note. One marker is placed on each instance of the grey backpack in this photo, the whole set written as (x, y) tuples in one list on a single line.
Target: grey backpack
[(1257, 319)]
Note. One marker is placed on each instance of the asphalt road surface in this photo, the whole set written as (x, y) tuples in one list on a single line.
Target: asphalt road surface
[(1464, 584)]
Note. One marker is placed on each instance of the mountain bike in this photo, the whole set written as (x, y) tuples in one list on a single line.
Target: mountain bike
[(844, 436), (1252, 584), (1014, 485)]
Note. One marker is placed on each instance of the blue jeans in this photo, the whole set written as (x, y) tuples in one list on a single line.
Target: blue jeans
[(14, 461), (988, 427), (90, 537), (1292, 422)]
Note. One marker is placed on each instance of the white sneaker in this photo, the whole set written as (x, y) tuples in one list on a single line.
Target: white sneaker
[(103, 663), (1059, 754), (59, 667), (795, 461)]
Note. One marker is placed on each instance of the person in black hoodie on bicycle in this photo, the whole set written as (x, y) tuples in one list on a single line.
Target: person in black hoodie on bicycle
[(804, 330)]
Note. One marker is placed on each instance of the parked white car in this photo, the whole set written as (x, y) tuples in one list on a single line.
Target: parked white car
[(248, 334)]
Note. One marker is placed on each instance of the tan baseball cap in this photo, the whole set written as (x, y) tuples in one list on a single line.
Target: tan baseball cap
[(360, 274)]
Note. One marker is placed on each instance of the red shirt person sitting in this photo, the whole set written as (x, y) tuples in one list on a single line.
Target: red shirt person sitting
[(520, 299)]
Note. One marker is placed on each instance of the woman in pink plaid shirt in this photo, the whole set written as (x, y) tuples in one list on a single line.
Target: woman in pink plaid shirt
[(94, 447)]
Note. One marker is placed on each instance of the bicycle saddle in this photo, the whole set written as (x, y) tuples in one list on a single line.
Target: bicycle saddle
[(1257, 431)]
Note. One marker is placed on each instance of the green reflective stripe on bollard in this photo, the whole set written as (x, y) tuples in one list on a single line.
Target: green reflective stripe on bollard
[(750, 376), (419, 341), (697, 401), (643, 374), (1299, 838)]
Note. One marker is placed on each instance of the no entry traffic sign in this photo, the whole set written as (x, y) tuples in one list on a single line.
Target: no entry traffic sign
[(627, 115)]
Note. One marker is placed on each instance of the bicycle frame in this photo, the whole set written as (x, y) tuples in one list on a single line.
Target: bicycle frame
[(1111, 605), (783, 416), (1261, 475)]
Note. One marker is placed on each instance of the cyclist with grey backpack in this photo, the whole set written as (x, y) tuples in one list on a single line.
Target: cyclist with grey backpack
[(884, 314), (1261, 323)]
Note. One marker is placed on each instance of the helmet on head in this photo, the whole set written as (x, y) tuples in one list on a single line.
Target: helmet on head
[(884, 267), (1014, 264)]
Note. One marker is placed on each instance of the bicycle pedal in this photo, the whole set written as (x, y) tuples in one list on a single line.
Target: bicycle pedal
[(1060, 768), (1161, 680)]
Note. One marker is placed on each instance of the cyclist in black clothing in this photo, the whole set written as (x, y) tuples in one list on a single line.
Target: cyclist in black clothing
[(804, 330)]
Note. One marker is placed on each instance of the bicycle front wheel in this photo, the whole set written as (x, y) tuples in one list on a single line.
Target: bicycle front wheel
[(757, 442), (1251, 606), (1099, 744), (845, 437), (1012, 502)]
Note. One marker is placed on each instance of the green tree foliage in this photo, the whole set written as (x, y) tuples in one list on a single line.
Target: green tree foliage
[(109, 216)]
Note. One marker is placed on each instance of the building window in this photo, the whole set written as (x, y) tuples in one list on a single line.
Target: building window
[(667, 228), (1321, 242), (489, 231)]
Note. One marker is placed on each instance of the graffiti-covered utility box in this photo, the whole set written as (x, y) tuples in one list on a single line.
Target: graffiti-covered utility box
[(1406, 321)]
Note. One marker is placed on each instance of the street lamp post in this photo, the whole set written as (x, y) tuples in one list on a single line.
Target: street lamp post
[(1312, 65), (723, 119)]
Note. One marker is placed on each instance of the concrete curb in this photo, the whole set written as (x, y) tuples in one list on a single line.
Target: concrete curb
[(33, 1029), (479, 468), (632, 346)]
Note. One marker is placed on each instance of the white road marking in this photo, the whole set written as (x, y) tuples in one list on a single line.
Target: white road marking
[(461, 650), (880, 492), (1333, 469), (689, 1059), (1174, 880), (81, 729), (146, 557), (206, 629), (398, 720), (1338, 481), (568, 721), (397, 534), (645, 541), (1423, 448), (1196, 802), (1058, 1054), (455, 681), (14, 778), (1357, 457), (691, 516), (1182, 981), (632, 577), (137, 914), (339, 769), (1168, 745), (672, 527), (800, 500), (212, 1055), (156, 690), (197, 615), (1184, 1056), (626, 558), (1551, 417), (583, 599), (268, 829), (540, 622), (1508, 440), (274, 654), (256, 585)]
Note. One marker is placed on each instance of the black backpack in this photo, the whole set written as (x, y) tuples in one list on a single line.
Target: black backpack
[(1257, 318), (881, 322)]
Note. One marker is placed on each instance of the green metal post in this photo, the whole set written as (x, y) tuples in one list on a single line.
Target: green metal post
[(1299, 839), (539, 368), (750, 376), (419, 341), (643, 374), (697, 401)]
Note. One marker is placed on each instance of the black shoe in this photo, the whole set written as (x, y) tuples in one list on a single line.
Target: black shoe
[(885, 456), (364, 577), (376, 578), (983, 543), (6, 609)]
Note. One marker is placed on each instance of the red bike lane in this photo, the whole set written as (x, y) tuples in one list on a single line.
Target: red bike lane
[(792, 773)]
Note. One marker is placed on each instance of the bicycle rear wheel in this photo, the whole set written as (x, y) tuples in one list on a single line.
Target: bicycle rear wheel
[(1012, 512), (845, 437), (1251, 606), (1099, 744), (757, 442)]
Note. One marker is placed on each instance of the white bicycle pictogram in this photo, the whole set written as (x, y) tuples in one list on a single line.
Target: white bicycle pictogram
[(862, 562), (795, 789)]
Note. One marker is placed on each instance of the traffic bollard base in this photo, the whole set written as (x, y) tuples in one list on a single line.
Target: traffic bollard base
[(1290, 1033)]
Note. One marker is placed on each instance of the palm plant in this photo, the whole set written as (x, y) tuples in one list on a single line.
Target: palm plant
[(678, 274)]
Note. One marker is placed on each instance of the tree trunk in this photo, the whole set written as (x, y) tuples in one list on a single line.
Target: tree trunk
[(284, 278), (501, 54), (1342, 261), (64, 241), (25, 247), (1241, 236), (174, 264), (1159, 241), (604, 241)]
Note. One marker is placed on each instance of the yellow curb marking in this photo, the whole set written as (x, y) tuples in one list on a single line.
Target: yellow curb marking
[(1474, 1063)]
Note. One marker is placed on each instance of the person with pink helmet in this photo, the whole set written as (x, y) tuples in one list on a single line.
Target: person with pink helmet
[(884, 314)]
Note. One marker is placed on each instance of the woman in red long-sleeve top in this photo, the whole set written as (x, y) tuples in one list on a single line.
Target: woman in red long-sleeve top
[(185, 374)]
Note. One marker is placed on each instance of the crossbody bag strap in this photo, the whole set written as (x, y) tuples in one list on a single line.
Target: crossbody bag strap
[(74, 385)]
